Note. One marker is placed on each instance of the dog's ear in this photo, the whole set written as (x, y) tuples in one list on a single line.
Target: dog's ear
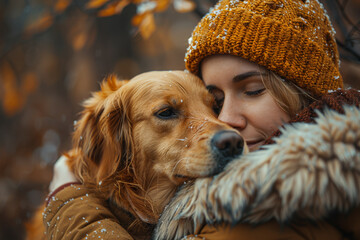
[(88, 140), (115, 127), (118, 163)]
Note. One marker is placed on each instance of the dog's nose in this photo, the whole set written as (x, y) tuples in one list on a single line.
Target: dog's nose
[(228, 143)]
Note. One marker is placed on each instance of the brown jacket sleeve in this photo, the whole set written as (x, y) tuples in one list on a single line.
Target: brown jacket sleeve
[(75, 213)]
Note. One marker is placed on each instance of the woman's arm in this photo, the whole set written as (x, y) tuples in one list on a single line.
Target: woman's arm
[(74, 212)]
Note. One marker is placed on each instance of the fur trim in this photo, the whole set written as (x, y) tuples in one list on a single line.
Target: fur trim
[(311, 171)]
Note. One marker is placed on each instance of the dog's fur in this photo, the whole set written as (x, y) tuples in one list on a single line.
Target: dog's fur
[(312, 171), (137, 141)]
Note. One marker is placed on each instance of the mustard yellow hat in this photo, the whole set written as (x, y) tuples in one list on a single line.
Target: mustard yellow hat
[(293, 38)]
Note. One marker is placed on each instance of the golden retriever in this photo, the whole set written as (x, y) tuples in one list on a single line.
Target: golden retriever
[(137, 141)]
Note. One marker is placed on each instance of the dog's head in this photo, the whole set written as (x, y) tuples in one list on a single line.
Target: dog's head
[(142, 138)]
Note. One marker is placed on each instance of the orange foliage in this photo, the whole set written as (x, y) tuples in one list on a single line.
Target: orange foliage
[(29, 83), (143, 19), (39, 25), (14, 90), (95, 3), (61, 5), (14, 97), (79, 41), (113, 8), (147, 25), (12, 100)]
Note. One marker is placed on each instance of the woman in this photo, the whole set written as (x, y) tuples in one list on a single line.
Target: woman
[(266, 63)]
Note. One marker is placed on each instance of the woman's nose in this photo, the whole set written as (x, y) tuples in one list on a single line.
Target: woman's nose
[(232, 115)]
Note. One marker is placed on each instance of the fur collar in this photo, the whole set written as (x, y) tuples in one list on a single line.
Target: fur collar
[(311, 171)]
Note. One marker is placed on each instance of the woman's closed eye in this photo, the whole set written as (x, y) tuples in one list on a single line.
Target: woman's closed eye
[(252, 86), (254, 92)]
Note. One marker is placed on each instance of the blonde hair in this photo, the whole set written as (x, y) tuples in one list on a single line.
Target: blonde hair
[(289, 97)]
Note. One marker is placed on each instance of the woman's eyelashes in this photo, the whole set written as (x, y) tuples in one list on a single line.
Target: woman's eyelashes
[(252, 87), (254, 92)]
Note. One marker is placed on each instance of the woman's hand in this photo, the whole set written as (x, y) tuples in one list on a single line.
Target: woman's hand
[(62, 174)]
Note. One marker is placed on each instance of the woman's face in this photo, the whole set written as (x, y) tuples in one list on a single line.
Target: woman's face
[(243, 101)]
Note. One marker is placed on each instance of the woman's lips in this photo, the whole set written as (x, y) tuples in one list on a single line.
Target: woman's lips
[(253, 145)]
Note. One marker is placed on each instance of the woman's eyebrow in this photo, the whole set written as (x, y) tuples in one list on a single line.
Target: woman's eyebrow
[(243, 76)]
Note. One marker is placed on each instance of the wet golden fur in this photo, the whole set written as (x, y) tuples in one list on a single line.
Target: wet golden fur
[(127, 149)]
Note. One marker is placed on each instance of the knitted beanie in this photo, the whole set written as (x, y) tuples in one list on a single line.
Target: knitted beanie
[(293, 38)]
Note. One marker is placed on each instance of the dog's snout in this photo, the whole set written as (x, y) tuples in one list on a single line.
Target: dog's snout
[(228, 143)]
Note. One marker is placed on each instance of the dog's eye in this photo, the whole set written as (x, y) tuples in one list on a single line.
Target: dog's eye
[(166, 113)]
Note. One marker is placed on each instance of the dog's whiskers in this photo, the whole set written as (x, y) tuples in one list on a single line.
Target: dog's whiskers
[(202, 125), (204, 121), (182, 139), (199, 127), (196, 128)]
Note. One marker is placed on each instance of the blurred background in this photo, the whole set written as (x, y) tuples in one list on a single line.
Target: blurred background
[(54, 53)]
